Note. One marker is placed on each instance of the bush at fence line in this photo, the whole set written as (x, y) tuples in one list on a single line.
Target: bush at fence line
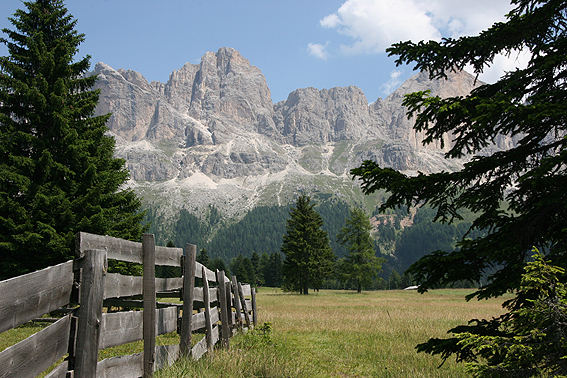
[(260, 336)]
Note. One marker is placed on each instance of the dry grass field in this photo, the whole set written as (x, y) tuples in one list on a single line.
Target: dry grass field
[(329, 334), (344, 334)]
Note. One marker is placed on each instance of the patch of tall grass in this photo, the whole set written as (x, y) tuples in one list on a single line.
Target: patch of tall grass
[(338, 333)]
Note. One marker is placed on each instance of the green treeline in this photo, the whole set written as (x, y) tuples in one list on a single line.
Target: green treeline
[(261, 230)]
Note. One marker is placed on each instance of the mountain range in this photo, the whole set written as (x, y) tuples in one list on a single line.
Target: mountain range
[(212, 136)]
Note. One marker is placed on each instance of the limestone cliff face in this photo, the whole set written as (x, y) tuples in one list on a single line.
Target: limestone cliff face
[(311, 116), (211, 134)]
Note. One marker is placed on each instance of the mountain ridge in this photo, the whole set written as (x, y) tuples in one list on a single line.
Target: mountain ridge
[(212, 135)]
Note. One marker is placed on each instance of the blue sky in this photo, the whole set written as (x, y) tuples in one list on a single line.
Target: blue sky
[(296, 43)]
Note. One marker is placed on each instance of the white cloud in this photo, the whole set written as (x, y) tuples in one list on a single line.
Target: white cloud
[(502, 64), (393, 83), (374, 25), (330, 21), (318, 50)]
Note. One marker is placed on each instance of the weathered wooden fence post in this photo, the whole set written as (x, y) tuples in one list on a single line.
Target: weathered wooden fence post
[(207, 303), (243, 302), (91, 296), (254, 308), (237, 302), (189, 266), (149, 300), (229, 308), (223, 307)]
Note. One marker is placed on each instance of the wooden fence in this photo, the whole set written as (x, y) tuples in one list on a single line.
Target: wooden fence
[(222, 307)]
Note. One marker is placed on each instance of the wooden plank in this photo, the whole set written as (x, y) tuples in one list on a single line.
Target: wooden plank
[(125, 250), (168, 256), (135, 303), (166, 320), (93, 267), (198, 294), (199, 349), (199, 272), (60, 371), (198, 321), (120, 328), (31, 295), (123, 327), (223, 308), (31, 356), (248, 305), (166, 355), (149, 297), (208, 323), (188, 295), (215, 317), (244, 306), (236, 302), (168, 284), (118, 285), (213, 295), (131, 366), (117, 249), (215, 335), (254, 309), (246, 290)]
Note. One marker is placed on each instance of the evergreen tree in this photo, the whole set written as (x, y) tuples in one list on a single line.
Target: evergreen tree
[(361, 264), (395, 280), (203, 257), (218, 264), (255, 260), (58, 175), (528, 104), (531, 339), (309, 258), (242, 268), (263, 266), (273, 270)]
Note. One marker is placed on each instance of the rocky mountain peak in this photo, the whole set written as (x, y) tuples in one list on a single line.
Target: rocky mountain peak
[(228, 89), (211, 134), (311, 116)]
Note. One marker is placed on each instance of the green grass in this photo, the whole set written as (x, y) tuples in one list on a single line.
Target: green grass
[(329, 334), (343, 334)]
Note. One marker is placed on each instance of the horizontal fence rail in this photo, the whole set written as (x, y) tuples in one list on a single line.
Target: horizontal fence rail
[(218, 309)]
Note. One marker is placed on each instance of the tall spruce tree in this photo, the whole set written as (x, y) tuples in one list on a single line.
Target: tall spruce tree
[(361, 264), (58, 175), (308, 255), (519, 194)]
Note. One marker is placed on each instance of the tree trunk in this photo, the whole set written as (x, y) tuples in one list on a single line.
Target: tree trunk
[(359, 287)]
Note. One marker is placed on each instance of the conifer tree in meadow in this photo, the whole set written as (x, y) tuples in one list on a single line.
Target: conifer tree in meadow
[(58, 175), (361, 264), (309, 258)]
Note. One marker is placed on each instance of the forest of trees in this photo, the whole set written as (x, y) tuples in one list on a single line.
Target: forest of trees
[(261, 230)]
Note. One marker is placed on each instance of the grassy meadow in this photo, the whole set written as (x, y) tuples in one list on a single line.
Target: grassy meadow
[(328, 334), (343, 334)]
